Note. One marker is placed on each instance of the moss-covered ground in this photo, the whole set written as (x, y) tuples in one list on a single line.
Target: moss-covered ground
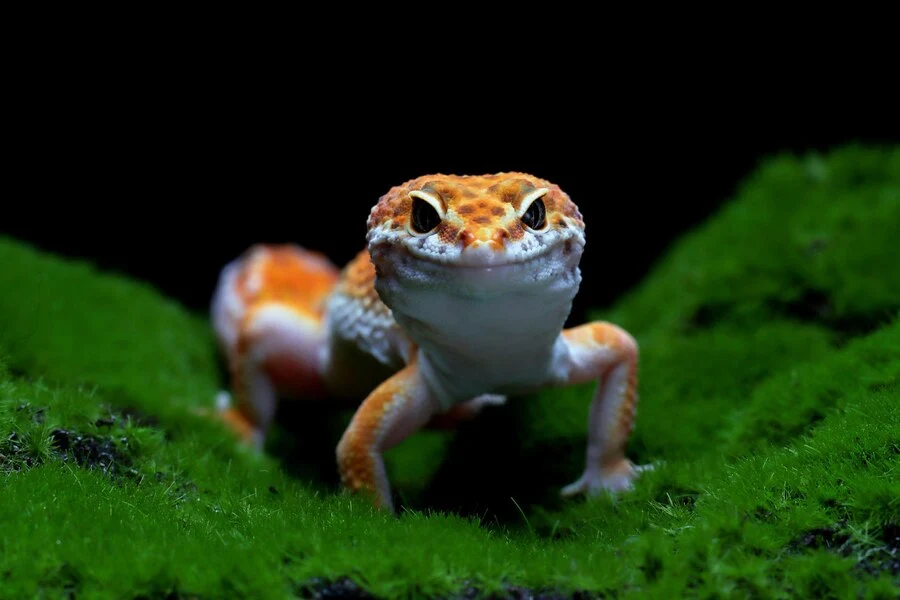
[(770, 393)]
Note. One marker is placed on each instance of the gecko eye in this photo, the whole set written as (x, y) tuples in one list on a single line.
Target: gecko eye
[(535, 216), (424, 216)]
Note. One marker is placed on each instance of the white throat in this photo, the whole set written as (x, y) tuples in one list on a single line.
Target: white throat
[(491, 330)]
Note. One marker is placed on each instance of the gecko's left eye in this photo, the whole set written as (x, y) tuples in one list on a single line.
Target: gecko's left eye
[(424, 216), (536, 215)]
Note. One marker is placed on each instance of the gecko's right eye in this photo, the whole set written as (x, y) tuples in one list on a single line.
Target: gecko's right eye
[(424, 216)]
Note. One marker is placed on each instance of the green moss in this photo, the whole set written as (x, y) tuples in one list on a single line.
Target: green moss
[(64, 321), (770, 346)]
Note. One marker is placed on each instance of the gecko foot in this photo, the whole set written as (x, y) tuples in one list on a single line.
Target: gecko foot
[(614, 479), (225, 411)]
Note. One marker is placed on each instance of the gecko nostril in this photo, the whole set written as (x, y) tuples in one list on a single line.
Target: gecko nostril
[(494, 239)]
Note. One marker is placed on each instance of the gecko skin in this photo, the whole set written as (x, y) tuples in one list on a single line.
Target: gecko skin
[(457, 302)]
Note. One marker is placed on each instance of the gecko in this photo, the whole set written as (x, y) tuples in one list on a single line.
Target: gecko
[(457, 301)]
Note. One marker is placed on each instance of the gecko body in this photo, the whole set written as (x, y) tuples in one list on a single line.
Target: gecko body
[(458, 300)]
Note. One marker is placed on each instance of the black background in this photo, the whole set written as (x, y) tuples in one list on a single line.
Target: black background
[(167, 186)]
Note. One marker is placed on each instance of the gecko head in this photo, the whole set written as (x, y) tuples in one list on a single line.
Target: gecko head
[(486, 230)]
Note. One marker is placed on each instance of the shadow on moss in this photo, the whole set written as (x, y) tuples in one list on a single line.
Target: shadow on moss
[(484, 471), (809, 306), (303, 440)]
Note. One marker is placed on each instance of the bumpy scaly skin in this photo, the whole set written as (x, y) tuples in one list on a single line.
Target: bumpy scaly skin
[(428, 327)]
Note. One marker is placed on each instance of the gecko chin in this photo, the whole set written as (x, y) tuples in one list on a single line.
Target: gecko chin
[(481, 273)]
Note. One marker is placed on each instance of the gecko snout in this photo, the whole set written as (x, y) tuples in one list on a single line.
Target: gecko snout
[(482, 248), (491, 239)]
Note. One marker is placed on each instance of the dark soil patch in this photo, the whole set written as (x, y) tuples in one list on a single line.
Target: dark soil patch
[(887, 557), (872, 560), (344, 587), (106, 453), (515, 592), (108, 449), (824, 537), (110, 454), (13, 454)]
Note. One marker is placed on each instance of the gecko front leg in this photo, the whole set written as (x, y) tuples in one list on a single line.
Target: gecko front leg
[(395, 410), (607, 354)]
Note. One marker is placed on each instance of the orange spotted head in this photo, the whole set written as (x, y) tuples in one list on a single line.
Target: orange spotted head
[(478, 220), (480, 272)]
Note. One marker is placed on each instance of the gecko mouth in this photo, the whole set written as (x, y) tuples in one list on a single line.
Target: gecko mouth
[(482, 272), (466, 260), (485, 256)]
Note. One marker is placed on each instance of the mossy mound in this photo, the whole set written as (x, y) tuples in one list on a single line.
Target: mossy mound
[(770, 391)]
